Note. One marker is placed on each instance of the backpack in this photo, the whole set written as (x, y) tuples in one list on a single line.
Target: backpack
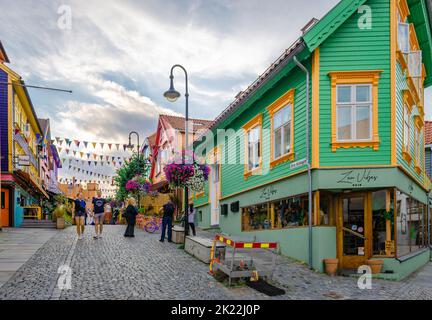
[(168, 209)]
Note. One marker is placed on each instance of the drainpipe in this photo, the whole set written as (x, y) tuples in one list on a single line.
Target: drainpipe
[(306, 71)]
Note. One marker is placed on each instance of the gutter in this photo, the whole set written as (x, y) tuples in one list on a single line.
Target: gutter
[(306, 71)]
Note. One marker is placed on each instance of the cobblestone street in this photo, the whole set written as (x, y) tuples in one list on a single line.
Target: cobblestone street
[(115, 267)]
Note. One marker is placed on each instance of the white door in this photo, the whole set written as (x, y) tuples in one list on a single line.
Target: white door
[(214, 194)]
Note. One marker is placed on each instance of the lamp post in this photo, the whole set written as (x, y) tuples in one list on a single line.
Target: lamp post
[(172, 95), (130, 145)]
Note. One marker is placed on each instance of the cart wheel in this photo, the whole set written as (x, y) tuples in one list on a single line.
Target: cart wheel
[(150, 227)]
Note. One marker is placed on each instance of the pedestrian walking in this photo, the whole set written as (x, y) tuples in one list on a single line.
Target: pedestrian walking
[(79, 214), (168, 213), (99, 204), (130, 215), (191, 218)]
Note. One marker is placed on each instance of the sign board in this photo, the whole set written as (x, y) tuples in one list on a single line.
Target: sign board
[(24, 161), (298, 163)]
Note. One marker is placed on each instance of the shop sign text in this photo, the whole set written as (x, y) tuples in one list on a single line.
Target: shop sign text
[(268, 192), (357, 178)]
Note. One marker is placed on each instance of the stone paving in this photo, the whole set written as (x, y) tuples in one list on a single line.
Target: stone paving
[(115, 267)]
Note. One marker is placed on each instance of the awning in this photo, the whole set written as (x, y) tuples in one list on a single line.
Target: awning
[(31, 181)]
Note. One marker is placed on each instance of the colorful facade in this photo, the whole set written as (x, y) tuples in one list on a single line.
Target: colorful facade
[(368, 61), (21, 185)]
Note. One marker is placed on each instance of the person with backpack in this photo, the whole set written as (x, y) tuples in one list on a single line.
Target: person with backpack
[(167, 219)]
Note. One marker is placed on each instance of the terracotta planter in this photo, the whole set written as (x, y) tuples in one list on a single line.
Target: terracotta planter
[(331, 266), (375, 265)]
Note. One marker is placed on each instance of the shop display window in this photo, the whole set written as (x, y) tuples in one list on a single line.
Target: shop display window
[(383, 222), (327, 212), (412, 234), (280, 214)]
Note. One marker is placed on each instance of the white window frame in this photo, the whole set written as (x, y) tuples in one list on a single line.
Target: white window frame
[(354, 104), (255, 148), (282, 127)]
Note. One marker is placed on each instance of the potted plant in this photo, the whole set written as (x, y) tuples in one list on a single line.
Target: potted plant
[(59, 213), (375, 265), (331, 266)]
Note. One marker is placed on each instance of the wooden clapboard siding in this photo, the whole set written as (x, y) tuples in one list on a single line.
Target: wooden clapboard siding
[(351, 48), (233, 179), (4, 135)]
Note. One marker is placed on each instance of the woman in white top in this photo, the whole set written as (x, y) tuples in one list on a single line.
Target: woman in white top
[(191, 218)]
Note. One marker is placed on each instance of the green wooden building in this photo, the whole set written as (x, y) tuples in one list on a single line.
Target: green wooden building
[(356, 128)]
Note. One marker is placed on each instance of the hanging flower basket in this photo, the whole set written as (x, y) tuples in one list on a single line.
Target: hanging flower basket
[(139, 186), (185, 171)]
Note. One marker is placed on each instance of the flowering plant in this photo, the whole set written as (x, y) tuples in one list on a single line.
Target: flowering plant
[(185, 171), (138, 185)]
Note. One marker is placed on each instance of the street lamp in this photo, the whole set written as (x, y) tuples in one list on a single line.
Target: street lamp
[(172, 95), (130, 145)]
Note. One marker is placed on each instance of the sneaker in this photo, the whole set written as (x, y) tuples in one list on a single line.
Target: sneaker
[(80, 237), (95, 237), (161, 240), (170, 241)]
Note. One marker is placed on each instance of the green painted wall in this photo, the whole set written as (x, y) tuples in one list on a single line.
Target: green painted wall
[(405, 268), (351, 48)]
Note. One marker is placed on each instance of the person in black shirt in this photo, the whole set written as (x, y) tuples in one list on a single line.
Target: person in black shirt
[(99, 213), (79, 214), (130, 215), (168, 213)]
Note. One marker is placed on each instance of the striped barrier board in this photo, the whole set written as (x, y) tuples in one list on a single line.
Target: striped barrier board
[(246, 245)]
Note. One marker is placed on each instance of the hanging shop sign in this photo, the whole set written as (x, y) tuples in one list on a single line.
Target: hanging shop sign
[(23, 160)]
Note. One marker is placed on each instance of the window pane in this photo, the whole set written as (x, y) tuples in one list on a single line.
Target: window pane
[(344, 123), (287, 138), (363, 93), (363, 122), (277, 143), (343, 94), (403, 37), (277, 120)]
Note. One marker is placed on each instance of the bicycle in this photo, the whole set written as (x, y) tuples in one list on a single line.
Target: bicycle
[(155, 224)]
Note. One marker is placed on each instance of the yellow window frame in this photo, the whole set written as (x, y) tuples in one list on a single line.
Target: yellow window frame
[(418, 123), (403, 9), (370, 77), (253, 123), (279, 104)]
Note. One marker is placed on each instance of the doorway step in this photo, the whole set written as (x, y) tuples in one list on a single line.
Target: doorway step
[(43, 224), (384, 275)]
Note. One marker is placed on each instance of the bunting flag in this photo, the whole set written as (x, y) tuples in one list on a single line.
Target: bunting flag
[(109, 146), (85, 144), (107, 158), (101, 144), (101, 157), (81, 154), (57, 139), (88, 155), (67, 141), (117, 146), (94, 145), (77, 143), (94, 156), (124, 147), (59, 150), (67, 151), (74, 152)]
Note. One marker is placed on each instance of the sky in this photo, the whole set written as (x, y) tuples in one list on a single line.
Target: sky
[(116, 57)]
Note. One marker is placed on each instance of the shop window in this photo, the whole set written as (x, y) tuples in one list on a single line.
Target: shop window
[(355, 109), (280, 214), (411, 231), (327, 212), (383, 222)]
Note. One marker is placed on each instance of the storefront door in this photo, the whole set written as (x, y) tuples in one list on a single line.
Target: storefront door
[(214, 194), (4, 214), (353, 230)]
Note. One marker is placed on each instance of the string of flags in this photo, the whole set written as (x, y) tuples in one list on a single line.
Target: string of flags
[(89, 172), (78, 181), (113, 161), (87, 144), (93, 156)]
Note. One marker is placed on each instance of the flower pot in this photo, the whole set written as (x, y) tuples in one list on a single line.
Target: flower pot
[(60, 223), (375, 265), (331, 266)]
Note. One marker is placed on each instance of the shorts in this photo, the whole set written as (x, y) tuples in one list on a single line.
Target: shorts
[(99, 217), (80, 214)]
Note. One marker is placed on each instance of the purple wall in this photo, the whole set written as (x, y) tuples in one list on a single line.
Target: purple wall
[(4, 121)]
